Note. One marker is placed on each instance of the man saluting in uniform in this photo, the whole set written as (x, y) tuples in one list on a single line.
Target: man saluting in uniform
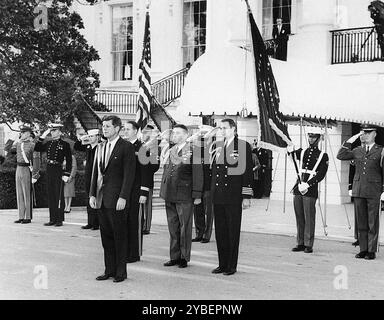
[(231, 190), (313, 166), (57, 150), (367, 188)]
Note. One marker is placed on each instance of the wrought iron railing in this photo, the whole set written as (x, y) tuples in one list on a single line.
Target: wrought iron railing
[(118, 101), (169, 88), (355, 45)]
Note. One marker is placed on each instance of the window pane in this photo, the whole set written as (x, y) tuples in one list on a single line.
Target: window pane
[(122, 42)]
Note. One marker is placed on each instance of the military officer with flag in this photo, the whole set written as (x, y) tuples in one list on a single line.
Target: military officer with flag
[(312, 167), (367, 188), (27, 172), (57, 151)]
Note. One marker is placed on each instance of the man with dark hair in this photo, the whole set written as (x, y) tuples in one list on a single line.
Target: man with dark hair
[(367, 188), (139, 196), (152, 155), (280, 34), (110, 191), (231, 191), (88, 144), (57, 151), (181, 188)]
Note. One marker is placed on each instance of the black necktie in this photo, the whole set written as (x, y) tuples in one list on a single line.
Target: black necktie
[(367, 151)]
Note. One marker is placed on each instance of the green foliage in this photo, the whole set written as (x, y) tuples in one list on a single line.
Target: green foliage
[(43, 72)]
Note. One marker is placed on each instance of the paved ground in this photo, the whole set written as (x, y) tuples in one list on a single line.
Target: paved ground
[(267, 268)]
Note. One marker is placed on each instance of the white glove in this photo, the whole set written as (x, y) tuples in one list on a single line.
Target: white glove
[(34, 180), (290, 148), (65, 179), (350, 193), (46, 132), (382, 197), (355, 137), (303, 187)]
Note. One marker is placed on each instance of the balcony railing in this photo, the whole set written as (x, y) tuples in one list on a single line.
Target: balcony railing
[(118, 101), (347, 45), (169, 88)]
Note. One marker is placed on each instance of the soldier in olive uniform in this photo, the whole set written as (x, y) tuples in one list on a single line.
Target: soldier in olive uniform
[(57, 150), (27, 172), (313, 166), (231, 190), (367, 188)]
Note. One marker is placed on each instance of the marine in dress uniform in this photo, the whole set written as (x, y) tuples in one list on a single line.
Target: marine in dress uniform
[(231, 190), (152, 155), (27, 172), (88, 144), (57, 151), (181, 188), (367, 188), (139, 196), (313, 166)]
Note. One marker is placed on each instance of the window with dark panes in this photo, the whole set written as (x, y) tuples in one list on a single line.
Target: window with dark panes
[(122, 42), (272, 10), (194, 30)]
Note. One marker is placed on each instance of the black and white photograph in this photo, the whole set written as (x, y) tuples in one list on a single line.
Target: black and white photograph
[(190, 157)]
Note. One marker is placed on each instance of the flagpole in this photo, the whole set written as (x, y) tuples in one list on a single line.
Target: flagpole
[(285, 181), (325, 180)]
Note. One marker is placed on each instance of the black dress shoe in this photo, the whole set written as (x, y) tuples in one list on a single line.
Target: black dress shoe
[(361, 255), (356, 243), (146, 232), (229, 273), (204, 240), (104, 277), (50, 223), (183, 263), (86, 227), (298, 248), (308, 250), (197, 239), (132, 260), (95, 228), (119, 279), (19, 221), (58, 224), (26, 221), (370, 256), (171, 263), (218, 270)]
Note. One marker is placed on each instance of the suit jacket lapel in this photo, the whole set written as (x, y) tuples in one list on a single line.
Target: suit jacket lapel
[(117, 146)]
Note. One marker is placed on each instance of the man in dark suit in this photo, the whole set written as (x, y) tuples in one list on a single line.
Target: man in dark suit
[(181, 188), (139, 195), (111, 188), (88, 144), (313, 167), (280, 34), (367, 188), (231, 190)]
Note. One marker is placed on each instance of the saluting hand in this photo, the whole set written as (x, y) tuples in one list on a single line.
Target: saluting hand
[(197, 202), (355, 137), (120, 204), (382, 197)]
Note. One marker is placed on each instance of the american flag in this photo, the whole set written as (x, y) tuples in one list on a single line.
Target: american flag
[(273, 133), (145, 91)]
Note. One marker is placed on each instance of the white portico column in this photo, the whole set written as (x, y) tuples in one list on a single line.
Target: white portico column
[(312, 40)]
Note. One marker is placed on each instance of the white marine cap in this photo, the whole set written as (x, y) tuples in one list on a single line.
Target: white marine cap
[(55, 125), (93, 132), (315, 130)]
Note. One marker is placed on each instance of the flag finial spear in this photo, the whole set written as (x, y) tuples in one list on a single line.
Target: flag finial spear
[(248, 6)]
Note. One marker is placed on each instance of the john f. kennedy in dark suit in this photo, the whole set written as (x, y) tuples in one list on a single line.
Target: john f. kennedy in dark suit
[(111, 187)]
